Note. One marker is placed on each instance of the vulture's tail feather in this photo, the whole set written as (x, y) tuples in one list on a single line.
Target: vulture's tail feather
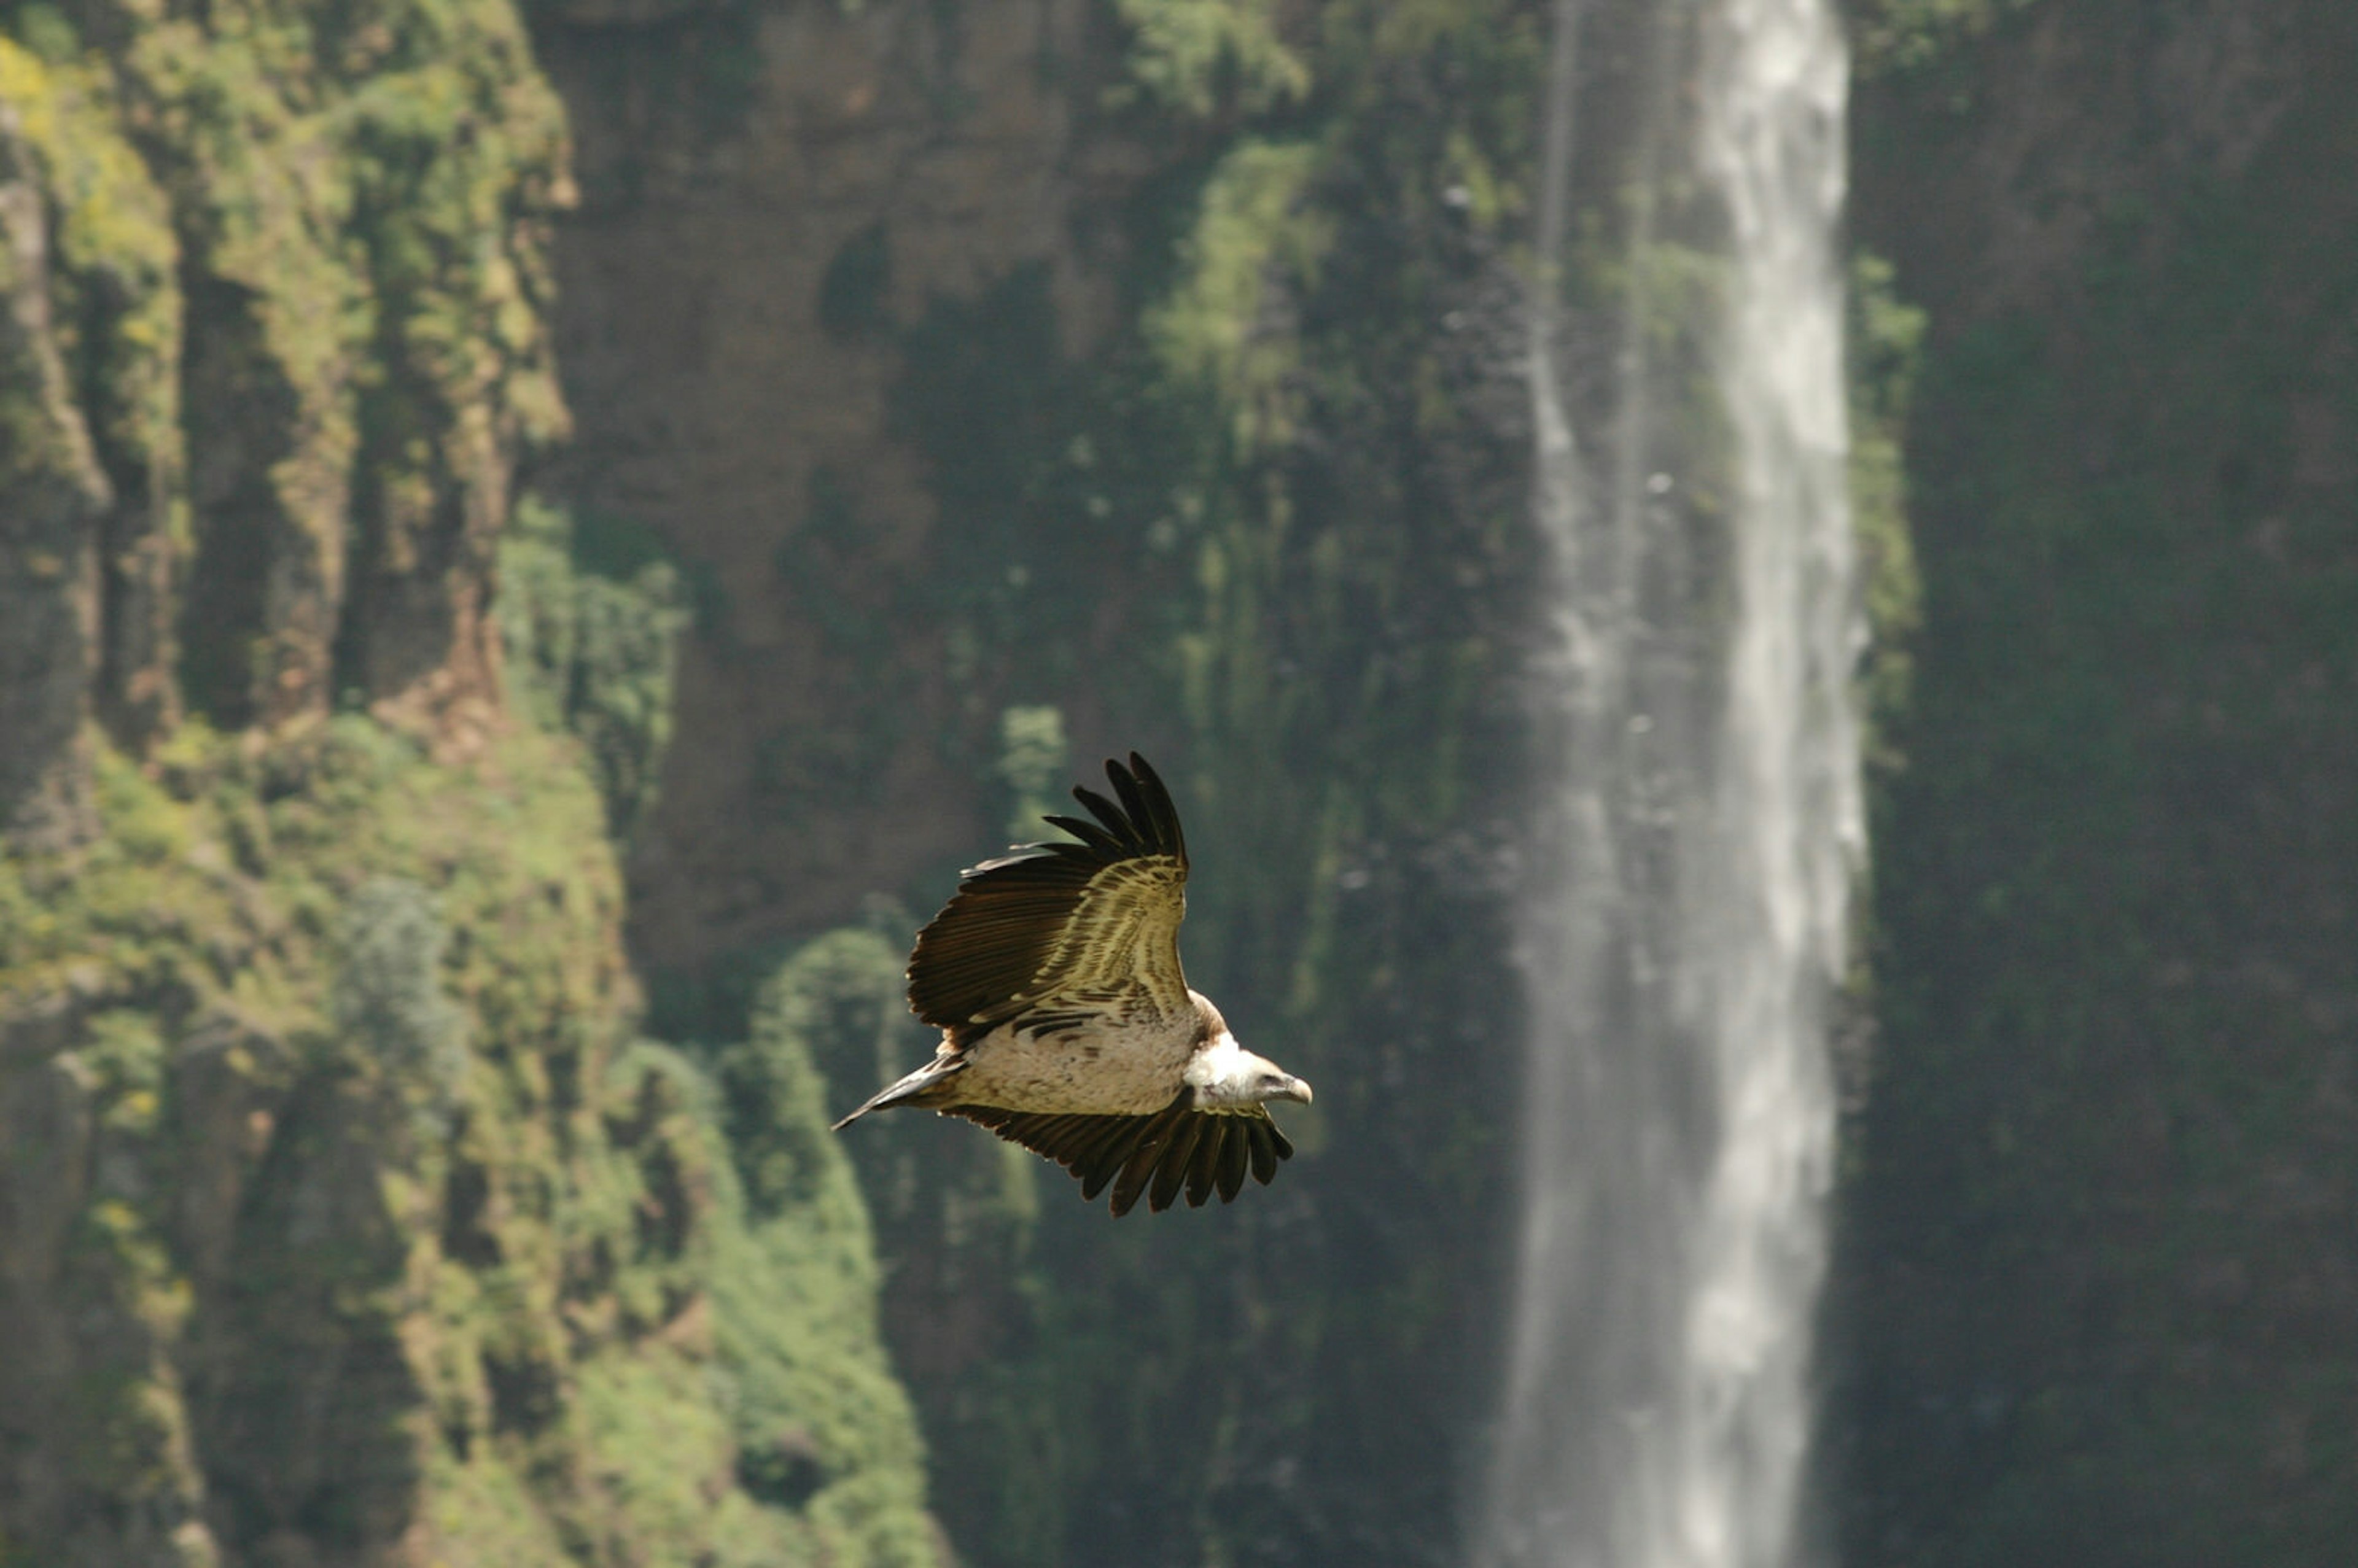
[(909, 1090)]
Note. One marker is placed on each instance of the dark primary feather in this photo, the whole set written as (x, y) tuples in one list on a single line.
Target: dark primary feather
[(1177, 1148), (976, 962)]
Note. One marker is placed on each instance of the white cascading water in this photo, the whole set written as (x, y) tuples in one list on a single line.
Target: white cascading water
[(1685, 926)]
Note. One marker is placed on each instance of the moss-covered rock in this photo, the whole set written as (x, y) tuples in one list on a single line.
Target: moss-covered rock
[(339, 1219), (305, 245), (343, 1220), (116, 317), (53, 490)]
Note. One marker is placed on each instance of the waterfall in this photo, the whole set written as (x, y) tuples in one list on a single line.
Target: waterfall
[(1701, 823)]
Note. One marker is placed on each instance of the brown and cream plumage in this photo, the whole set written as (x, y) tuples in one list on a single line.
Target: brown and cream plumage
[(1068, 1025)]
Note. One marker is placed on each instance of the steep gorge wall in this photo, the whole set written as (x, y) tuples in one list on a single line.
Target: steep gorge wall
[(345, 1223), (792, 216), (1046, 363), (1071, 409), (1152, 366), (342, 1217), (287, 327), (2101, 1233)]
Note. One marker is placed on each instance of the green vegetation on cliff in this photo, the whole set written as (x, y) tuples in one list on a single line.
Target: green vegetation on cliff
[(1886, 347), (317, 1085), (2102, 1244), (1899, 35), (589, 614), (341, 1215), (92, 309), (1288, 485), (1199, 57), (298, 275)]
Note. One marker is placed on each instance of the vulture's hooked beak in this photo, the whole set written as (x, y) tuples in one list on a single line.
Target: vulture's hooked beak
[(1295, 1090)]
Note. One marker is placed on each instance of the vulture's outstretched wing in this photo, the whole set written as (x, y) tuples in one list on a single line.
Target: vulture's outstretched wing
[(1091, 927), (1178, 1146)]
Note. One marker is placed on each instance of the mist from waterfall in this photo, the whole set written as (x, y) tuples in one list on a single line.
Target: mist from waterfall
[(1692, 858)]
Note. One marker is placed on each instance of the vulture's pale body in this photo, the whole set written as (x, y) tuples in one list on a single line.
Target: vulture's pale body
[(1068, 1025)]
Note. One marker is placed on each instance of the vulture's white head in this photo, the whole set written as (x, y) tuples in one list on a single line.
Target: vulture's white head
[(1227, 1077)]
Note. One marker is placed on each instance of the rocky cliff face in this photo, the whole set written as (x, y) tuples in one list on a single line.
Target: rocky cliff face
[(74, 202), (277, 283), (343, 1218), (2102, 1236), (992, 387), (1043, 380), (785, 211), (352, 1224), (344, 1222)]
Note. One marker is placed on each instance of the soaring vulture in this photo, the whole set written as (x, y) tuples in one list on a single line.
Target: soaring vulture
[(1066, 1025)]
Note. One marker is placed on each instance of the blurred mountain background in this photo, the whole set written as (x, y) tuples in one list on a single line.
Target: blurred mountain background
[(534, 542)]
